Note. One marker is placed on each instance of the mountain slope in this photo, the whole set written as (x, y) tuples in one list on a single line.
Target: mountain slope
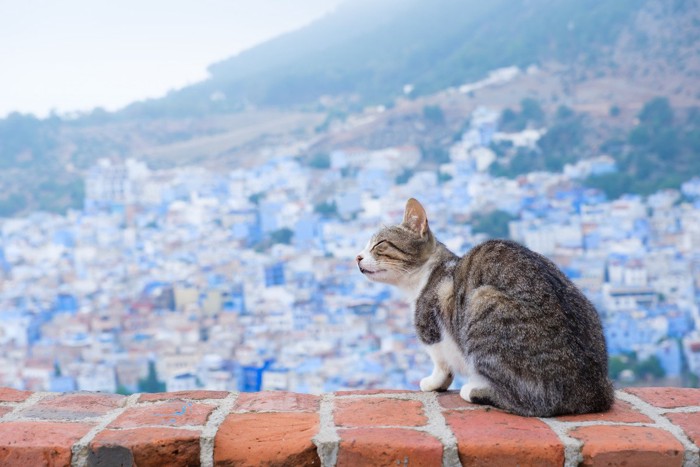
[(368, 50)]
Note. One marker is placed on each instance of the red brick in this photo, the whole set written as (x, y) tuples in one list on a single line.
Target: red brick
[(145, 447), (267, 439), (39, 443), (388, 446), (621, 412), (74, 406), (495, 438), (276, 401), (379, 412), (13, 395), (193, 395), (174, 413), (452, 400), (667, 398), (628, 445), (370, 392), (690, 422)]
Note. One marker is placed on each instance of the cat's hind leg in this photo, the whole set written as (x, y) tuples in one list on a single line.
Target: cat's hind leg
[(510, 348), (442, 376), (477, 390)]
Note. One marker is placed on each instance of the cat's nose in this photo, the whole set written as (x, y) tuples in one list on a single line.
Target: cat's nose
[(359, 258)]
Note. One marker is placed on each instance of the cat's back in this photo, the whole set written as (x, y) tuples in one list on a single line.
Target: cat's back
[(514, 269), (501, 281)]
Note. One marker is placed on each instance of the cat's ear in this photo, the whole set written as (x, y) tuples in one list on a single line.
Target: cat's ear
[(415, 218)]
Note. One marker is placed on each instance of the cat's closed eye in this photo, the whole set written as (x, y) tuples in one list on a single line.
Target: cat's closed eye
[(381, 244), (387, 250), (380, 248)]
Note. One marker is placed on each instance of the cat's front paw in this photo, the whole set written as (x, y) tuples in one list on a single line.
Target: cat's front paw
[(435, 383), (427, 384)]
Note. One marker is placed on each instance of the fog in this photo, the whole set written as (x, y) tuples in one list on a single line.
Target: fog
[(77, 54)]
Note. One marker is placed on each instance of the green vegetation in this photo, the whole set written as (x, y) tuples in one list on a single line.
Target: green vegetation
[(562, 143), (647, 369), (432, 45), (12, 204), (660, 152), (31, 175), (444, 177), (327, 209), (283, 236), (520, 163), (320, 161), (403, 177), (55, 196), (434, 114), (25, 140), (151, 383), (494, 223), (435, 154), (531, 113), (121, 389), (255, 198)]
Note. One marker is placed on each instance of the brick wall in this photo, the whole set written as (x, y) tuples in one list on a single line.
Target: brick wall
[(647, 427)]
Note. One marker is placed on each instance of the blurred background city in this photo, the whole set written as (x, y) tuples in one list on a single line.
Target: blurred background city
[(185, 185)]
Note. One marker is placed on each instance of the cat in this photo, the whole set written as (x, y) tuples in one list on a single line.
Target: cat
[(506, 317)]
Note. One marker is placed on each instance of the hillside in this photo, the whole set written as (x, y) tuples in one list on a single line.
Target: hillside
[(367, 51), (603, 60)]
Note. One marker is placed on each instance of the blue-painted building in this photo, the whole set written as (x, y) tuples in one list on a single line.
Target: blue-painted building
[(274, 275), (669, 355), (66, 303), (307, 232), (234, 300), (62, 384)]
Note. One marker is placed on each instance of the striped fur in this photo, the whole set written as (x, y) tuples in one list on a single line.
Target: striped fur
[(530, 342)]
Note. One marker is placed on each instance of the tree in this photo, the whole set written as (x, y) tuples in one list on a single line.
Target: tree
[(151, 382), (283, 236), (650, 368), (494, 223), (12, 204), (656, 112), (326, 209), (512, 121), (255, 198), (532, 111), (563, 140), (404, 177), (121, 389), (434, 114), (320, 161), (435, 154), (616, 365), (613, 185), (444, 177)]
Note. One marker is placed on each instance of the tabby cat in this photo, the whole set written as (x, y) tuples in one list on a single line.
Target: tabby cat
[(506, 317)]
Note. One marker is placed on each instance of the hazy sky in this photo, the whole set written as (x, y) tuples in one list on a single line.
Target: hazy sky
[(79, 54)]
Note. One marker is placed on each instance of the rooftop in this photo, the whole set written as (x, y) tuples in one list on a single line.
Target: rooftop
[(647, 426)]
